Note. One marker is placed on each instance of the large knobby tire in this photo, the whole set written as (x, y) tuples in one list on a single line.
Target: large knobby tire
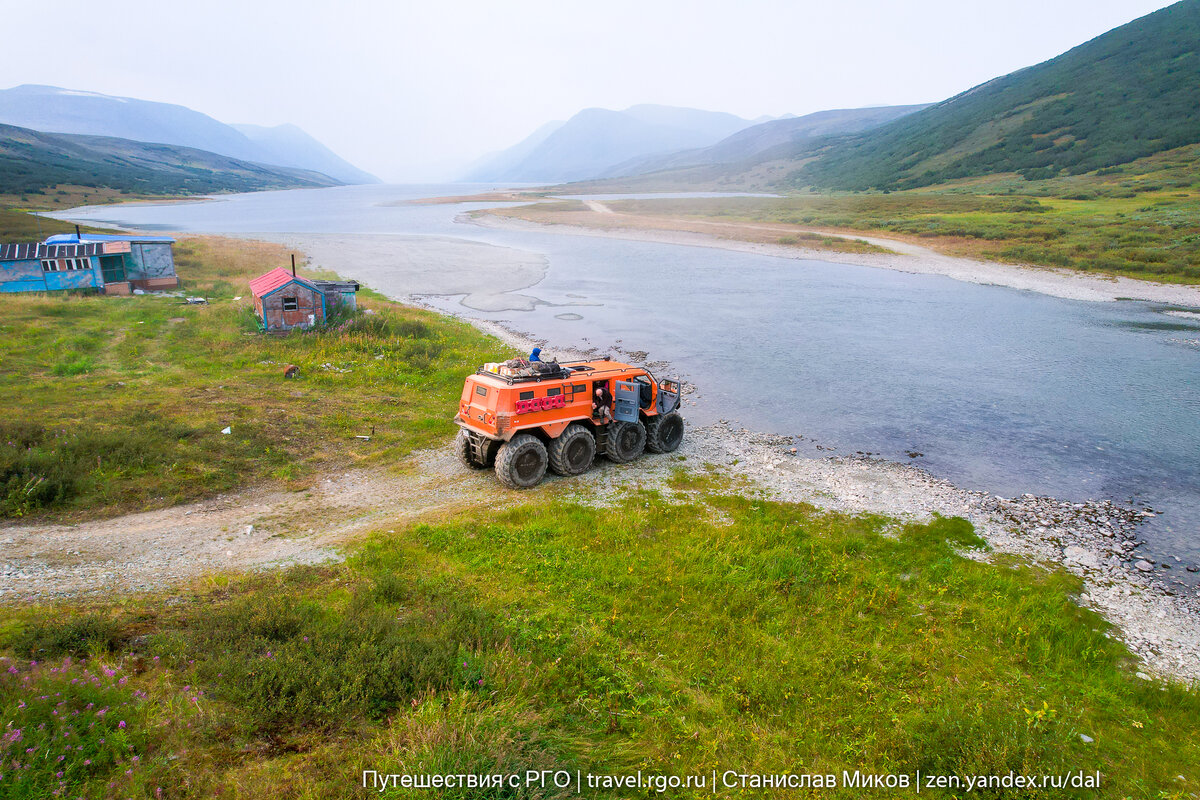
[(664, 433), (626, 441), (477, 452), (573, 452), (464, 450), (521, 462)]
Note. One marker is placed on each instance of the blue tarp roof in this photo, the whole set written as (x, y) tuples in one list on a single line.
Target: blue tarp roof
[(70, 238)]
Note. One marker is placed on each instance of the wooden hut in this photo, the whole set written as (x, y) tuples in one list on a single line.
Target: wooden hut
[(285, 301)]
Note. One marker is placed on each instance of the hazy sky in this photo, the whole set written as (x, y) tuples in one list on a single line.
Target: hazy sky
[(414, 91)]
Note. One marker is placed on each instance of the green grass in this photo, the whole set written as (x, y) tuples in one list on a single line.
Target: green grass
[(722, 633), (118, 403)]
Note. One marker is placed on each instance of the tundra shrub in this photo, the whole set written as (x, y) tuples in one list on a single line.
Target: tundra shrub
[(291, 664)]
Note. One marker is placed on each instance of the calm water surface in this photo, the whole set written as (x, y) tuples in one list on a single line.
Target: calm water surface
[(997, 389)]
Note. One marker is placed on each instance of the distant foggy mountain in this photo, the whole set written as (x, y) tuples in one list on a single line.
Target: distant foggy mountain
[(289, 146), (596, 140), (505, 161), (775, 138), (55, 110)]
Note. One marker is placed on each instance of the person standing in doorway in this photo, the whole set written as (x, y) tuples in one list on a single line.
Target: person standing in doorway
[(602, 403)]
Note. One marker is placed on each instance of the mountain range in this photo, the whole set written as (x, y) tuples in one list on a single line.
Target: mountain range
[(597, 140), (773, 139), (51, 109), (33, 161), (1129, 93)]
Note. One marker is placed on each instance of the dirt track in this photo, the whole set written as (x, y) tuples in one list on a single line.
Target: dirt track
[(260, 528), (245, 530)]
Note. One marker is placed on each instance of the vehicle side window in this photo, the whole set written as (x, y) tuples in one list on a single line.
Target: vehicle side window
[(579, 387), (526, 395), (481, 391), (553, 392)]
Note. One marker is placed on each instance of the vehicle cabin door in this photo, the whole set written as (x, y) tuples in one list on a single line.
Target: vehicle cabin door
[(668, 396), (625, 401)]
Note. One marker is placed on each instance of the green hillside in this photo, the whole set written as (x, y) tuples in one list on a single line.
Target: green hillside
[(32, 161), (1129, 93)]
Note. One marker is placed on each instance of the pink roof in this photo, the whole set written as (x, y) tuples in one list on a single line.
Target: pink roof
[(265, 284)]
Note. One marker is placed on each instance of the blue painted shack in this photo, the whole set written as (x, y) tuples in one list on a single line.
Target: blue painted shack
[(114, 264), (48, 268), (142, 262)]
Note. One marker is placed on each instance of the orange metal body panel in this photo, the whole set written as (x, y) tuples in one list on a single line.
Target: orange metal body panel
[(498, 410)]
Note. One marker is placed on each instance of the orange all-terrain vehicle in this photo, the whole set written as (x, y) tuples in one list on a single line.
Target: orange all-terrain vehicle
[(541, 416)]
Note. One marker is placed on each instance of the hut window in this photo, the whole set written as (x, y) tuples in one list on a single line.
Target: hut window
[(290, 304), (49, 265), (79, 264)]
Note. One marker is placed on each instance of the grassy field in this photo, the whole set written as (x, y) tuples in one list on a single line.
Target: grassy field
[(1140, 220), (117, 404), (677, 638)]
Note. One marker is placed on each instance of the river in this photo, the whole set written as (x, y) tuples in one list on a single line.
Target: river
[(996, 389)]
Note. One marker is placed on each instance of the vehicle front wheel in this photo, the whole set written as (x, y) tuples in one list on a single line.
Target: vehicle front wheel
[(664, 433), (626, 441), (521, 462)]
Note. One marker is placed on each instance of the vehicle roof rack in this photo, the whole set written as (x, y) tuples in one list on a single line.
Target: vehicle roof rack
[(549, 375)]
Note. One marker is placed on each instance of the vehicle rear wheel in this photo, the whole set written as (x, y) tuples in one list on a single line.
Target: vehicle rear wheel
[(664, 433), (572, 453), (521, 462), (477, 452), (626, 441), (464, 450)]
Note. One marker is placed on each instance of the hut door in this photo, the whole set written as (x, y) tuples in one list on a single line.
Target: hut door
[(113, 268)]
